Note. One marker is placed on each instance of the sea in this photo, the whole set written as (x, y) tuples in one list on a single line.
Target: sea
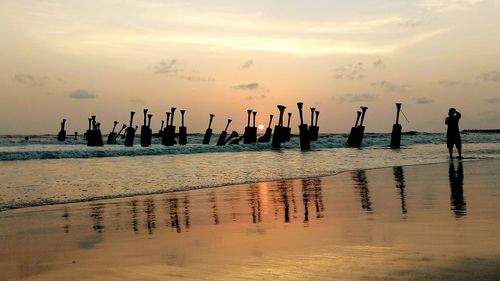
[(38, 170)]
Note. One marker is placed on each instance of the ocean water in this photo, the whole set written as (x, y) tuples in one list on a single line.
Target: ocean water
[(42, 171)]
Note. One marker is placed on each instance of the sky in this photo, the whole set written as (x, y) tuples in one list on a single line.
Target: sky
[(72, 59)]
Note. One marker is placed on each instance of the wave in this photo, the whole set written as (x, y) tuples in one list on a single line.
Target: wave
[(15, 148)]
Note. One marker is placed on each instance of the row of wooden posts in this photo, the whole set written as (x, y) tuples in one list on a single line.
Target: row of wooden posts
[(307, 134)]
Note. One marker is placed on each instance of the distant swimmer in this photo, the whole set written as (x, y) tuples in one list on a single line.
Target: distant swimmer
[(453, 132)]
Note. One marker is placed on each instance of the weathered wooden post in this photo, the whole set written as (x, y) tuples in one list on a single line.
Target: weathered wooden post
[(112, 135), (250, 135), (288, 130), (91, 132), (169, 134), (360, 130), (76, 136), (279, 130), (146, 132), (182, 130), (118, 134), (208, 132), (352, 134), (130, 131), (223, 134), (396, 130), (267, 135), (303, 131), (165, 133), (160, 132), (98, 135), (313, 129), (62, 133)]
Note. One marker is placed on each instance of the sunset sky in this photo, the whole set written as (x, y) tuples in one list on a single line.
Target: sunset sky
[(71, 59)]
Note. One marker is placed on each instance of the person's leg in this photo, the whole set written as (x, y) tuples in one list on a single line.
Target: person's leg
[(450, 147), (459, 147)]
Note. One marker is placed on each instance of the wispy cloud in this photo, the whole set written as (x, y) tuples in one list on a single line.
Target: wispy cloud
[(449, 82), (250, 86), (378, 64), (31, 80), (389, 86), (423, 100), (247, 64), (352, 98), (167, 67), (81, 94), (448, 5), (490, 76), (353, 71), (492, 100), (195, 78)]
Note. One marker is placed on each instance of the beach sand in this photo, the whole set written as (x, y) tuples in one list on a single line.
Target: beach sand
[(427, 222)]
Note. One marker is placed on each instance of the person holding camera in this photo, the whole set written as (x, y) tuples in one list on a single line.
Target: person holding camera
[(453, 132)]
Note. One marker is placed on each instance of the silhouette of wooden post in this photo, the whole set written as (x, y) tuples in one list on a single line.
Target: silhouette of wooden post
[(182, 130), (396, 130), (352, 134), (360, 130), (267, 135), (146, 132), (98, 135), (250, 135), (313, 129), (223, 134), (112, 135), (279, 129), (130, 131), (62, 133), (303, 130), (76, 136), (91, 139), (287, 131), (170, 129), (86, 134), (160, 132), (208, 132), (118, 134), (165, 133)]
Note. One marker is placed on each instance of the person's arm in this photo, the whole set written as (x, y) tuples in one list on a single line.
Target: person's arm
[(446, 121), (458, 115)]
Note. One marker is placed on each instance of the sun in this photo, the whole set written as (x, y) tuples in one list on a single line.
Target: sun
[(261, 127)]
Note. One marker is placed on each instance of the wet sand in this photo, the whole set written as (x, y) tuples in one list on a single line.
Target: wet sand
[(428, 222)]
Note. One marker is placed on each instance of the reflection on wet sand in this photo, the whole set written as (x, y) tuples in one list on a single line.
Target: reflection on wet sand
[(361, 184), (457, 200), (278, 197), (399, 178)]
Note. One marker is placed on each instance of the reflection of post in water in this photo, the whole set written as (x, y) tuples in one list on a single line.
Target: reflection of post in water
[(65, 217), (294, 204), (457, 200), (399, 178), (318, 197), (149, 209), (361, 184), (186, 212), (305, 199), (133, 212), (255, 202), (97, 215), (174, 214), (283, 189), (213, 199)]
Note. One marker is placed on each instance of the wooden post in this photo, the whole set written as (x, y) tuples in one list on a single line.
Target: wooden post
[(182, 130), (208, 132), (130, 131), (146, 132), (279, 129), (62, 133), (396, 130), (267, 135), (223, 134), (112, 135), (303, 130)]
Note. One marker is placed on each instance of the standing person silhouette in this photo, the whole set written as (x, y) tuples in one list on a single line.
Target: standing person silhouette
[(453, 132)]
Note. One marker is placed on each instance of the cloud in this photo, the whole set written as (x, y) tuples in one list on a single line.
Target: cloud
[(354, 98), (492, 100), (250, 86), (195, 78), (167, 67), (81, 94), (28, 79), (261, 96), (449, 82), (390, 87), (247, 64), (423, 100), (490, 76), (378, 64), (448, 5), (353, 71)]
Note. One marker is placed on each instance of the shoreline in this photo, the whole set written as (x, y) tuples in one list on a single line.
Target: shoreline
[(95, 199), (419, 221)]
